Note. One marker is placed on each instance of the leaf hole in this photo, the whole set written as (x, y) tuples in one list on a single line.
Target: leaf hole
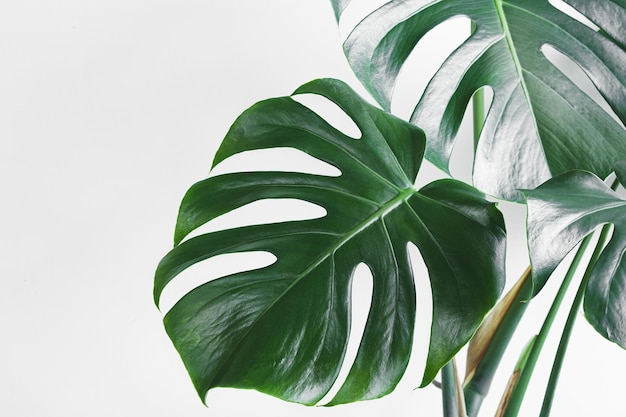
[(425, 60), (274, 210), (577, 75), (621, 191), (209, 270), (275, 159), (423, 320), (331, 113), (361, 300), (427, 174), (462, 157), (573, 13)]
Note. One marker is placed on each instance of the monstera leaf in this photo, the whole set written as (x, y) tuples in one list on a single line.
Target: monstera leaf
[(620, 171), (539, 123), (562, 212), (283, 329)]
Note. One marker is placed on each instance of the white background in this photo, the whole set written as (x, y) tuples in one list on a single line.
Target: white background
[(109, 111)]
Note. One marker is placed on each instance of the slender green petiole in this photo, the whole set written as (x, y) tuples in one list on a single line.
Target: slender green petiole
[(521, 362), (448, 391), (478, 108), (460, 397), (571, 319), (478, 113), (491, 340), (569, 325), (517, 396), (452, 391)]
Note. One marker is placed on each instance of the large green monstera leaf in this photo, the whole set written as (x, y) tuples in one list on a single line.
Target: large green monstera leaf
[(283, 329), (561, 213), (539, 123)]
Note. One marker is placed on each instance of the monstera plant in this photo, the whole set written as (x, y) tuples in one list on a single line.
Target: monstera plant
[(543, 141)]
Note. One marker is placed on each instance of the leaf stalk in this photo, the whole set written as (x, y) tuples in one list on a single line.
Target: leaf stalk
[(521, 386), (451, 391), (478, 108), (491, 340), (548, 399), (448, 391)]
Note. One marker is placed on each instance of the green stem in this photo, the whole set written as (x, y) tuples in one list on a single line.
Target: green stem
[(477, 385), (521, 362), (478, 105), (517, 396), (571, 319), (478, 108), (448, 391), (460, 397)]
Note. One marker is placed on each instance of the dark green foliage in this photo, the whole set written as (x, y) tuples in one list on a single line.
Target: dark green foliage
[(540, 123), (561, 213), (283, 329)]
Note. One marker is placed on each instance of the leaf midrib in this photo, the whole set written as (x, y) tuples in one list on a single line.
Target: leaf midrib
[(390, 205), (515, 58)]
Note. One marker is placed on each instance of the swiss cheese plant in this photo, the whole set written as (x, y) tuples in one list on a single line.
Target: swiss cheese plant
[(283, 329), (539, 122)]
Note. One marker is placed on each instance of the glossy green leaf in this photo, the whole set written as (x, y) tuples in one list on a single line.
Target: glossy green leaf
[(539, 123), (620, 171), (283, 329), (561, 213)]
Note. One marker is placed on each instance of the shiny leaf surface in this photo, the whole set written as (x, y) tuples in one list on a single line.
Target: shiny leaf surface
[(283, 329), (620, 171), (561, 213), (540, 123)]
